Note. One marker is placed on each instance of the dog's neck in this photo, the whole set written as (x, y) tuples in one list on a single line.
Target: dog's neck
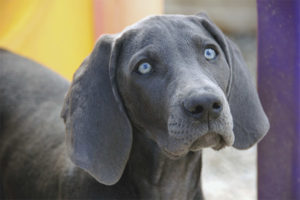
[(158, 177)]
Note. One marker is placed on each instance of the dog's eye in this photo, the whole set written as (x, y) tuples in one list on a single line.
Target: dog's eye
[(210, 54), (144, 68)]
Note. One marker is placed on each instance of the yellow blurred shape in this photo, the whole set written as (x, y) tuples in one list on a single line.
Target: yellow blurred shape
[(56, 33), (61, 33)]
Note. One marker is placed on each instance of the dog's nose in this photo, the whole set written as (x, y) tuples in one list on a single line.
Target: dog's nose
[(203, 106)]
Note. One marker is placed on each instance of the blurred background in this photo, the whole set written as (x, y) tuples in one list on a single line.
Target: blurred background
[(61, 33)]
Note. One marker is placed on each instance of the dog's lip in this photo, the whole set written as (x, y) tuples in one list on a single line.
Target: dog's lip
[(207, 140), (215, 141), (220, 145)]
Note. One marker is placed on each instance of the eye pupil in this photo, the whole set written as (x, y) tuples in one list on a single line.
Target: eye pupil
[(144, 68), (210, 54)]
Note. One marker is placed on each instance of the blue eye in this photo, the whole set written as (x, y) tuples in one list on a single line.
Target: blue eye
[(210, 54), (144, 68)]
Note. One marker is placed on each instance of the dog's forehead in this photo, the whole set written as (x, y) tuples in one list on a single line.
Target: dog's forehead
[(169, 22), (163, 28)]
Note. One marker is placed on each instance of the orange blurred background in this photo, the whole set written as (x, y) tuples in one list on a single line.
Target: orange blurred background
[(61, 33)]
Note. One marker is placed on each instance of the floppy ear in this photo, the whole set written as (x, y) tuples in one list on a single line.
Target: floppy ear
[(98, 132), (250, 122)]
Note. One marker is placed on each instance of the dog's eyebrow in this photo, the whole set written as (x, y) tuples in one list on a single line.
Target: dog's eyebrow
[(148, 52), (202, 40)]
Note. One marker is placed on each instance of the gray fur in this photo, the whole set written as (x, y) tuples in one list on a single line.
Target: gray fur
[(128, 135)]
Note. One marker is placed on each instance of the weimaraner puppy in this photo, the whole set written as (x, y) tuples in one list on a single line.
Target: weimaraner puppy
[(138, 112)]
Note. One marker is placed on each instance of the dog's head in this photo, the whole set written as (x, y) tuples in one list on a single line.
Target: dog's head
[(175, 78)]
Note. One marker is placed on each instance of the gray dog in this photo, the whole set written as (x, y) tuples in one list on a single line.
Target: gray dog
[(137, 114)]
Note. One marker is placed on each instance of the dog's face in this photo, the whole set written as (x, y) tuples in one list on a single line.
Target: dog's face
[(177, 79), (173, 82)]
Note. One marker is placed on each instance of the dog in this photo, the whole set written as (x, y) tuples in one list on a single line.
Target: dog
[(137, 114)]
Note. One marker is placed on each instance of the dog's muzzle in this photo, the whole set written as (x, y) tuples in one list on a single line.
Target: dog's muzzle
[(202, 120)]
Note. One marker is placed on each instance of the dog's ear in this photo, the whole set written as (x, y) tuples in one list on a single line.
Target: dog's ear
[(98, 132), (250, 122)]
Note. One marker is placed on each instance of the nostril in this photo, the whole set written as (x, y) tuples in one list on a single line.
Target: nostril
[(216, 106), (198, 109), (216, 110)]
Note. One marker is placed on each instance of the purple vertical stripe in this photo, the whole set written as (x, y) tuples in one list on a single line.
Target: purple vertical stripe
[(296, 182), (279, 81)]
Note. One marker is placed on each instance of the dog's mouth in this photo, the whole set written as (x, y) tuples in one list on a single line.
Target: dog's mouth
[(212, 140), (209, 140), (187, 134), (187, 137)]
